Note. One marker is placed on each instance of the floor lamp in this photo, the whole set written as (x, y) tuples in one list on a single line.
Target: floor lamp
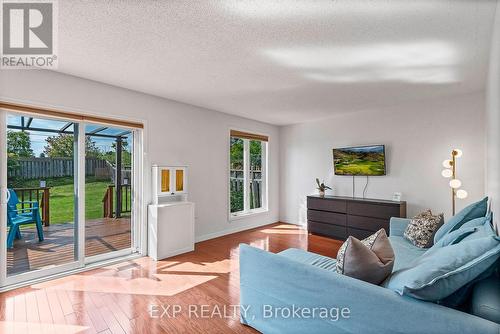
[(450, 171)]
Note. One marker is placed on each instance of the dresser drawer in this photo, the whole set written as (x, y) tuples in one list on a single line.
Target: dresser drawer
[(358, 233), (326, 204), (332, 231), (327, 217), (373, 210), (367, 223)]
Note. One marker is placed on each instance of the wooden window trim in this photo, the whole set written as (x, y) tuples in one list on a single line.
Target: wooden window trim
[(247, 135), (66, 115)]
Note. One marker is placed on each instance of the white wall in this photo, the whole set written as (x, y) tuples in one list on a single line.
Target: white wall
[(493, 123), (418, 138), (175, 133)]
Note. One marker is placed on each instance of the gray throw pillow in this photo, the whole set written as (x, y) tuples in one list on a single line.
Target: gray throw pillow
[(422, 228), (370, 259)]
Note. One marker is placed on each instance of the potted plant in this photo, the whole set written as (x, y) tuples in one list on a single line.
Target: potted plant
[(322, 187)]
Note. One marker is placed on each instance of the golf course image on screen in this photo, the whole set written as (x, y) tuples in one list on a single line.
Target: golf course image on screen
[(362, 160)]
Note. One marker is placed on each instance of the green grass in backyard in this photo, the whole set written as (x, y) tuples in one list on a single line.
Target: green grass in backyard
[(62, 202)]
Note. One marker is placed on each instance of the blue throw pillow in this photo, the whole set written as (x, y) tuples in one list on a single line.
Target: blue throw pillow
[(465, 230), (458, 298), (477, 222), (483, 231), (472, 211), (438, 274), (454, 237), (459, 234), (482, 227)]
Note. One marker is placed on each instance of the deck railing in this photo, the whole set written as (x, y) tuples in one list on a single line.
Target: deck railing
[(41, 195), (109, 209)]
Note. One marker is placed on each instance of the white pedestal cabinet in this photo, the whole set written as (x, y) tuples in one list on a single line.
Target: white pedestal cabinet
[(171, 229), (171, 216)]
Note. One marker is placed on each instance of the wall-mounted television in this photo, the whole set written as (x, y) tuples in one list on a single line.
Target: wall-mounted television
[(359, 160)]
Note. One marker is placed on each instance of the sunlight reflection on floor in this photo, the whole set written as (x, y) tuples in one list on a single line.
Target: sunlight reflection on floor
[(288, 227), (9, 327), (219, 267), (158, 285), (274, 231)]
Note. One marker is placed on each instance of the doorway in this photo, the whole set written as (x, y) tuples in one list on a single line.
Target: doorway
[(69, 195)]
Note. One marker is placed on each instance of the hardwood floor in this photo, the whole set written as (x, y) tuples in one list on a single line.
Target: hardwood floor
[(102, 236), (121, 298)]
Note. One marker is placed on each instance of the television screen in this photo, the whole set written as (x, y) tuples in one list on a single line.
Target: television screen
[(361, 160)]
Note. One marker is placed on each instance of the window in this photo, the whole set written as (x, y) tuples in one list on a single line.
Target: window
[(247, 169)]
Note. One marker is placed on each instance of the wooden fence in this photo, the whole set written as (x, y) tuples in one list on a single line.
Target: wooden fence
[(236, 183), (37, 168)]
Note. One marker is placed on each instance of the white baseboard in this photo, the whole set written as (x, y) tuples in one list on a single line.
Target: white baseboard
[(291, 222), (229, 231), (176, 252)]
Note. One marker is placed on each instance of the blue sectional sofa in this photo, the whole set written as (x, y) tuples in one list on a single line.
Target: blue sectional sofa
[(296, 291)]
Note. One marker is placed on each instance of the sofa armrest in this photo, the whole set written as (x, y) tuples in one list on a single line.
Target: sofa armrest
[(273, 286), (398, 226)]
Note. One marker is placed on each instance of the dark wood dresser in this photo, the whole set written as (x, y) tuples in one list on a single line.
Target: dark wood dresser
[(339, 217)]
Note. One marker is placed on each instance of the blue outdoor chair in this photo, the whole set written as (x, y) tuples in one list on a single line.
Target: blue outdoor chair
[(17, 217)]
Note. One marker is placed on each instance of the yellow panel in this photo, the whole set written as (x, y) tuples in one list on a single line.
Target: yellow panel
[(179, 180), (165, 180)]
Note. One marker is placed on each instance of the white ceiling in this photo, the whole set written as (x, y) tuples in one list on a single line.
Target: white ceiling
[(280, 62)]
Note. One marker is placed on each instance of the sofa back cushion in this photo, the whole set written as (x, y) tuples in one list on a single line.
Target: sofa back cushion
[(405, 252), (439, 273), (472, 211)]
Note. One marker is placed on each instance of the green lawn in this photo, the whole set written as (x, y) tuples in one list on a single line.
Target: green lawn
[(62, 201)]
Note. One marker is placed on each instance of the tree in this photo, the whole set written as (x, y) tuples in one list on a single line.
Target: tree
[(124, 145), (236, 153), (255, 154), (62, 146), (19, 144), (91, 150), (110, 157)]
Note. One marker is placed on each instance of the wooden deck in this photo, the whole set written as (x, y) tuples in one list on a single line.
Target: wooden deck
[(102, 236)]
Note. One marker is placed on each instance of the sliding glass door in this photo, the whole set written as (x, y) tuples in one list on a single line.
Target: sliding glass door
[(67, 195), (41, 196), (108, 191)]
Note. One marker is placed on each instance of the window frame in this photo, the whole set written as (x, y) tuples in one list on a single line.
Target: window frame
[(246, 212)]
